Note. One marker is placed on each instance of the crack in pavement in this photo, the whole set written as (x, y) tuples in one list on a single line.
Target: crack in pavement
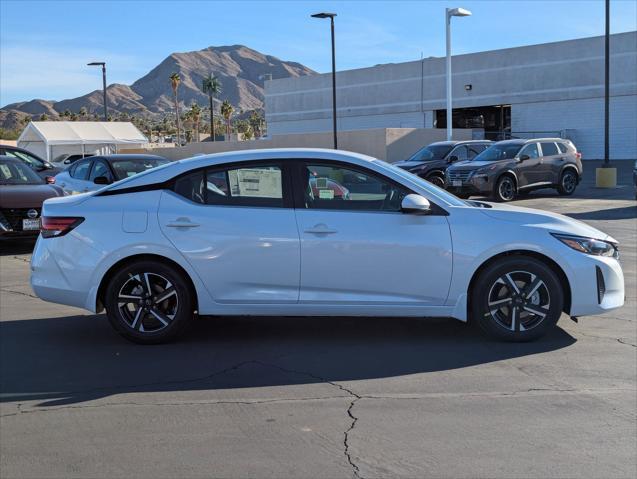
[(356, 397), (5, 290), (609, 338)]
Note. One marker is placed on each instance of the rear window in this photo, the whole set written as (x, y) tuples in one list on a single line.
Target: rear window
[(564, 147), (549, 149)]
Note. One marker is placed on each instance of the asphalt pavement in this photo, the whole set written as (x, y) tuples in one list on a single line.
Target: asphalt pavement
[(322, 397)]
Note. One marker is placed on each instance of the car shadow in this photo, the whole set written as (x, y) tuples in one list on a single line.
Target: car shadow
[(16, 246), (74, 359), (623, 213)]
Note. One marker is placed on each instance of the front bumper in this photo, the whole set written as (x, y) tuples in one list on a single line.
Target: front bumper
[(478, 185), (597, 286)]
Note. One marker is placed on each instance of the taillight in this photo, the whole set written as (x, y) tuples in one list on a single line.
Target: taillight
[(54, 226), (578, 155), (50, 180)]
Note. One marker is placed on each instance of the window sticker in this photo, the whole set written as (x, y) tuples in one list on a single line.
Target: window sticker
[(259, 183), (326, 194)]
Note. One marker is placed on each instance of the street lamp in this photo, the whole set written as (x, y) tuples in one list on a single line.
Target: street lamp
[(331, 17), (103, 65), (451, 12)]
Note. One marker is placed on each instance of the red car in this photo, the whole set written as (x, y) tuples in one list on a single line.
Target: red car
[(22, 193)]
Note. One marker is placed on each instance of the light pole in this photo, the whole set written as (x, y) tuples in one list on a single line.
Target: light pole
[(451, 12), (103, 65), (331, 17)]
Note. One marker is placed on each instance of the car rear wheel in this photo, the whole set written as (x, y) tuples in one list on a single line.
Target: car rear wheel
[(568, 183), (437, 180), (148, 302), (517, 299), (505, 189)]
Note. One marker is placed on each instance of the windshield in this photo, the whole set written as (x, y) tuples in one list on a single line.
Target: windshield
[(15, 173), (30, 160), (131, 167), (431, 152), (430, 187), (499, 152)]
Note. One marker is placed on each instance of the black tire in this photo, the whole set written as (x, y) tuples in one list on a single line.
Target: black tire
[(505, 189), (511, 320), (568, 182), (145, 317), (437, 180)]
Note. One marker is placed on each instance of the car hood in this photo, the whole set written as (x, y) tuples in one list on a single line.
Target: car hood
[(474, 165), (27, 196), (420, 165), (552, 222)]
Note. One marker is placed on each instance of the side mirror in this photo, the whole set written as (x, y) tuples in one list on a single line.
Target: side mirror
[(50, 180), (415, 204), (524, 157), (452, 159), (101, 180)]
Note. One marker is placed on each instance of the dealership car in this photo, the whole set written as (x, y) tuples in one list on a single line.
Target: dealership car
[(511, 167), (93, 172), (21, 195), (43, 168), (431, 161), (68, 158), (155, 248)]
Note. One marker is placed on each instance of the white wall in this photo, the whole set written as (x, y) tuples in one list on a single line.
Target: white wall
[(584, 121)]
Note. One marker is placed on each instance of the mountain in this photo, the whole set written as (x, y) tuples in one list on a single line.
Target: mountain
[(240, 69)]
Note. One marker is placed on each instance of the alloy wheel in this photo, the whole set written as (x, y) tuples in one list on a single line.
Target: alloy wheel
[(147, 302), (506, 189), (568, 182), (518, 301)]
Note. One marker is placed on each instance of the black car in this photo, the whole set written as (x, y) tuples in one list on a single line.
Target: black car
[(431, 161), (43, 168)]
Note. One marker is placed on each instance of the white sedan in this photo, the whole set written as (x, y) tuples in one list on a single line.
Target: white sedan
[(267, 233)]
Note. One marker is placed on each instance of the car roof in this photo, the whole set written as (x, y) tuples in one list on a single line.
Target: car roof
[(457, 142), (170, 170), (522, 141), (132, 156)]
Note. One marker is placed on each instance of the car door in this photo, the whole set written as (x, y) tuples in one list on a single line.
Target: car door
[(75, 179), (100, 169), (529, 171), (359, 248), (236, 226), (552, 162)]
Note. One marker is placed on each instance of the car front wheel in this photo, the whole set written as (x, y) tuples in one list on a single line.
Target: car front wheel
[(505, 189), (436, 180), (148, 302), (568, 183), (517, 299)]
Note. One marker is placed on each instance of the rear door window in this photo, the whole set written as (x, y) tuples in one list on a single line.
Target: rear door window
[(549, 149), (100, 168), (460, 152)]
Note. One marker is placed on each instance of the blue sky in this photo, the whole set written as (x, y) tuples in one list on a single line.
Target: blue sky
[(44, 45)]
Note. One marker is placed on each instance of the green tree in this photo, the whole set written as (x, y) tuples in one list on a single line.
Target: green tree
[(175, 80), (212, 86), (226, 111), (44, 117), (256, 122), (243, 127), (195, 117), (66, 114), (83, 113)]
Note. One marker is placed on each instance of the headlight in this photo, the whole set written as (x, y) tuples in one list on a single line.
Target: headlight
[(589, 245)]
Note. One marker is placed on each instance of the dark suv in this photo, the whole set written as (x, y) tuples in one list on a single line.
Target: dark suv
[(431, 161), (510, 167)]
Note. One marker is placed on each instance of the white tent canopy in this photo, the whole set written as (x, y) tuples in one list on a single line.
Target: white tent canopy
[(50, 139)]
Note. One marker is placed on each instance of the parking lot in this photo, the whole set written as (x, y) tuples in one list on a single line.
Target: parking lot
[(323, 397)]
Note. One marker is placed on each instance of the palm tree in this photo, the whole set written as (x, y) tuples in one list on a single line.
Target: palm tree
[(226, 111), (195, 117), (256, 122), (212, 86), (175, 80)]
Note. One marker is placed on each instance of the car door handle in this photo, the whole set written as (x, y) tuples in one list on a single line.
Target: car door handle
[(182, 223), (320, 229)]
